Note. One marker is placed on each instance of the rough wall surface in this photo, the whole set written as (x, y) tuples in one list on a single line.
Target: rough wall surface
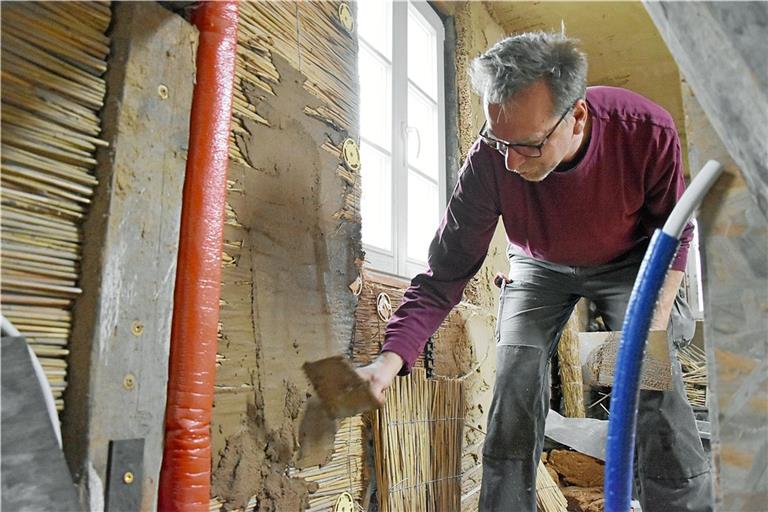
[(452, 356), (734, 238), (475, 31), (291, 241)]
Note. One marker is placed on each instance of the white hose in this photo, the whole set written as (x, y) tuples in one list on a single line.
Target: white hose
[(691, 198), (8, 329)]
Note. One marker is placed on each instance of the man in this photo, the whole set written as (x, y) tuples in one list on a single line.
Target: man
[(581, 178)]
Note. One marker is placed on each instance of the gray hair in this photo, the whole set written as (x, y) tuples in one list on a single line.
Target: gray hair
[(516, 62)]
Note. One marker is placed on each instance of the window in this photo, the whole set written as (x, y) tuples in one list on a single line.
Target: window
[(402, 132)]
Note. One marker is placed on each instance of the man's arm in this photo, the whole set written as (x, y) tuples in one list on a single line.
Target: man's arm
[(668, 186), (666, 300)]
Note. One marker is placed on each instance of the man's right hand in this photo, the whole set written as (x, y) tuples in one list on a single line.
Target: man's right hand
[(381, 372), (500, 280)]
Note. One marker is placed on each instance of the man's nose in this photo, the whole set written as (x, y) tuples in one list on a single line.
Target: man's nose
[(513, 159)]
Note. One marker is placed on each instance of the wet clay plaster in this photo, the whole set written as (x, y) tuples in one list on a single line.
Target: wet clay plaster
[(289, 259)]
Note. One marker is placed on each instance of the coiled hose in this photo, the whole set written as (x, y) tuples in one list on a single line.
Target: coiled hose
[(620, 448)]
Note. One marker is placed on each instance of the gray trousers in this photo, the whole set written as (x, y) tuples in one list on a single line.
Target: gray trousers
[(671, 467)]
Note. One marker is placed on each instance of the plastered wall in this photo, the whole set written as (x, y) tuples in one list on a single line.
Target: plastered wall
[(292, 237)]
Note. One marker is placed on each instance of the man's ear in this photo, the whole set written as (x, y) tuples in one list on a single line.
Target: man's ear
[(580, 117)]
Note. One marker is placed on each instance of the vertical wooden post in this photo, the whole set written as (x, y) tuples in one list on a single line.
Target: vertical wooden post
[(121, 324), (570, 365)]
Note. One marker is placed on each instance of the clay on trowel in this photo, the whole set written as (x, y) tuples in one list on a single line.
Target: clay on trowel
[(340, 393), (316, 435)]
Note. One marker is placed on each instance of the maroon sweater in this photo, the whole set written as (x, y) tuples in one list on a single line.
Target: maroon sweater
[(623, 187)]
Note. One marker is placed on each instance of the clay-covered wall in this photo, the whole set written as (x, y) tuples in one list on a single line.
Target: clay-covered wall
[(475, 31), (291, 240), (292, 237)]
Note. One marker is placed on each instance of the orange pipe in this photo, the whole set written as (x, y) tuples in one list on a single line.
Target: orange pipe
[(185, 475)]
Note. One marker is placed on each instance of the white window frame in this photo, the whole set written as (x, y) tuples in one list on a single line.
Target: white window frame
[(694, 286), (396, 262)]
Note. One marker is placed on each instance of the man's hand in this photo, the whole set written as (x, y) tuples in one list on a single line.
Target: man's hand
[(667, 296), (500, 280), (381, 372)]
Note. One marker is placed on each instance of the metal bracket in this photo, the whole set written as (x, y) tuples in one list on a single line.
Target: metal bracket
[(124, 475), (429, 357), (346, 18)]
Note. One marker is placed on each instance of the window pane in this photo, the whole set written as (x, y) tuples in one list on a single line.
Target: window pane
[(422, 215), (375, 98), (422, 53), (374, 24), (422, 133), (376, 201)]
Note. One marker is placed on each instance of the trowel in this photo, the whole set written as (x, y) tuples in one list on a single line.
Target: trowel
[(339, 393)]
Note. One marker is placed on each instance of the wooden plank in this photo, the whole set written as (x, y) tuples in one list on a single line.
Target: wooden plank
[(122, 321)]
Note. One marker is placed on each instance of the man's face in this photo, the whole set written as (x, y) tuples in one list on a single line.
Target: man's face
[(527, 119)]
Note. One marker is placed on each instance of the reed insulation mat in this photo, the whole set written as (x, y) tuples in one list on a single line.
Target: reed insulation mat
[(54, 58)]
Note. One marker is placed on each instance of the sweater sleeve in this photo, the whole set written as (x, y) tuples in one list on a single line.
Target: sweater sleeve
[(666, 185), (455, 255)]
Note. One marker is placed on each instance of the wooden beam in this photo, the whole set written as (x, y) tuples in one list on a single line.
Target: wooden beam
[(121, 323)]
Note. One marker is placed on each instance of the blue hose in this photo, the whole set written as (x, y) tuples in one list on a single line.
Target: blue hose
[(619, 454), (620, 448)]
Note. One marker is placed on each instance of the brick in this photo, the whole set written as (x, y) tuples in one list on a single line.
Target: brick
[(576, 468), (584, 499)]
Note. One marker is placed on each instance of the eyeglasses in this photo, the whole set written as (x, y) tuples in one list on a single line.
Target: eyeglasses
[(526, 150)]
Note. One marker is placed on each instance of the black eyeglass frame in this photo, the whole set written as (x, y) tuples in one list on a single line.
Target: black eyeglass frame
[(495, 143)]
